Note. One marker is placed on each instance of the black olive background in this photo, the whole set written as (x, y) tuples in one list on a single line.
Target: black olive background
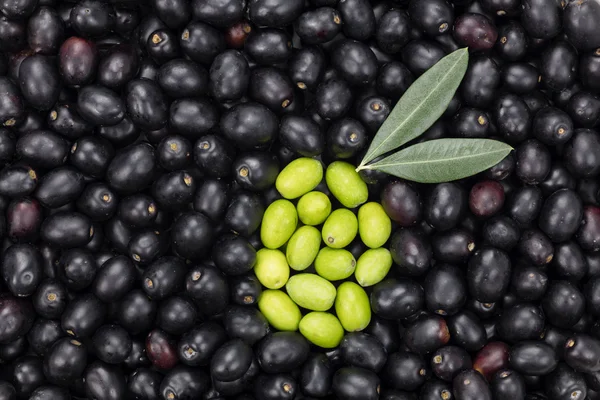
[(139, 146)]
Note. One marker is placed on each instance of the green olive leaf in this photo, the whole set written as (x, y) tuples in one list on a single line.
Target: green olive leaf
[(443, 160), (420, 106)]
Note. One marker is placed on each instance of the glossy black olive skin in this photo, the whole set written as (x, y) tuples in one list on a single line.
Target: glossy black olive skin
[(39, 82), (197, 346), (404, 371), (50, 299), (76, 269), (43, 148), (249, 125), (412, 263), (83, 316), (512, 42), (234, 255), (536, 247), (201, 42), (78, 60), (231, 361), (67, 229), (221, 14), (229, 76), (282, 352), (43, 334), (117, 66), (256, 171), (445, 290), (392, 31), (488, 274), (318, 26), (541, 18), (274, 13), (268, 46), (245, 290), (184, 382), (561, 215), (577, 21), (355, 61), (100, 105), (191, 235), (122, 134), (579, 154), (112, 344), (136, 312), (20, 312), (565, 382), (92, 18), (128, 176), (91, 155), (580, 353), (315, 378), (563, 304), (176, 315), (475, 31), (471, 385), (426, 333), (60, 187), (454, 246), (467, 330), (161, 350), (301, 135), (104, 381), (22, 269), (355, 383), (214, 155), (98, 202), (192, 117), (173, 190), (146, 104), (246, 323), (448, 361), (114, 279), (445, 206), (164, 277), (532, 358), (65, 361), (559, 66), (552, 126), (478, 88), (405, 292), (45, 19), (529, 283), (244, 213), (345, 138), (520, 322)]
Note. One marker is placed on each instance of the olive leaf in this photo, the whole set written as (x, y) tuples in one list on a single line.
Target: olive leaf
[(420, 106), (443, 160)]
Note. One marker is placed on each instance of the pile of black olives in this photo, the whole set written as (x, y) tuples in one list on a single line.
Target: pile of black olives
[(140, 141)]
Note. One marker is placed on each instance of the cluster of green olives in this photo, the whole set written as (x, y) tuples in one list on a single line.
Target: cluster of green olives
[(305, 264)]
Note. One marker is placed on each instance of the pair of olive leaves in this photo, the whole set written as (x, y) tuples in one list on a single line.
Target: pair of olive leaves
[(433, 161)]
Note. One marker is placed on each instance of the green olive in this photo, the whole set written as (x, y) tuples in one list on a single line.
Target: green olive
[(281, 312), (314, 208), (278, 224), (322, 329), (303, 247), (335, 264), (340, 228), (310, 291), (299, 177), (373, 266), (352, 307), (374, 225), (271, 268), (346, 184)]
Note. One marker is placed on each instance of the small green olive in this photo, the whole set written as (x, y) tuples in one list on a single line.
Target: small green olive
[(340, 228), (303, 247), (271, 268), (299, 177), (373, 266), (278, 224), (314, 208), (335, 264), (322, 329), (346, 184), (374, 225), (310, 291), (352, 307), (281, 312)]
